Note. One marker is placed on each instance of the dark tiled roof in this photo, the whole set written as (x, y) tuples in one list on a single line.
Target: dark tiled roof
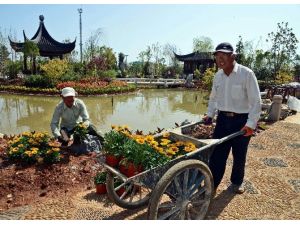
[(48, 46), (195, 56)]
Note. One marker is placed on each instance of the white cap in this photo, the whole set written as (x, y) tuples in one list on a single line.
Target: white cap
[(68, 91)]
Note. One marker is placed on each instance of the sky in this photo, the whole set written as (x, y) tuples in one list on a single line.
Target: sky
[(131, 27)]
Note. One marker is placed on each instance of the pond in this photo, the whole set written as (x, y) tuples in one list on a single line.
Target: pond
[(145, 110)]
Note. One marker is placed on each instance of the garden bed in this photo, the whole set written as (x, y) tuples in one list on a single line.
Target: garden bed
[(24, 185)]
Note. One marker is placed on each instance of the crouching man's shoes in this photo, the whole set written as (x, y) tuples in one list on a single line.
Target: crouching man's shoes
[(238, 189)]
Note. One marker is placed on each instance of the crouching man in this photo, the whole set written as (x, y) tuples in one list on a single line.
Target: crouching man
[(67, 114)]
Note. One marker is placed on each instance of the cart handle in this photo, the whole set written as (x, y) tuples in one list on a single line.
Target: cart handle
[(241, 132)]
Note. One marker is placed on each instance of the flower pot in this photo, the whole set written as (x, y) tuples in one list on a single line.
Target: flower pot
[(123, 169), (130, 169), (101, 189), (121, 191), (112, 160)]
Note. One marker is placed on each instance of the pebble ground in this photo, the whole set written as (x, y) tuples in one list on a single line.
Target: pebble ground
[(272, 187)]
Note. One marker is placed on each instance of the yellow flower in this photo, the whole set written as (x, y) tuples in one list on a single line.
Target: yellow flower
[(28, 153), (179, 143), (26, 134), (149, 138), (126, 133), (174, 148), (160, 150), (55, 149), (113, 127), (166, 135), (20, 145), (34, 150), (140, 140), (164, 142), (154, 143), (171, 152)]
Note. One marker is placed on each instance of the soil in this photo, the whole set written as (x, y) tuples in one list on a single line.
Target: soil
[(25, 185)]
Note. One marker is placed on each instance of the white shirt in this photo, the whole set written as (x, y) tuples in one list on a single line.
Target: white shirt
[(238, 92), (69, 117)]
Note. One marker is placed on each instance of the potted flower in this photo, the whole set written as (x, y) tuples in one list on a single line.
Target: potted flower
[(100, 182), (114, 147)]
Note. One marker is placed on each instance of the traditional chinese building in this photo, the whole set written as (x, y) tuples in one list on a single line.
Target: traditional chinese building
[(196, 60), (48, 46)]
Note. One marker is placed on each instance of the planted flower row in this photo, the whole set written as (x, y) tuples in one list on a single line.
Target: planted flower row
[(32, 147), (82, 87)]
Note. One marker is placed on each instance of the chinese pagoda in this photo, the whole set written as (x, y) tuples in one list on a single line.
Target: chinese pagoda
[(48, 46), (196, 60)]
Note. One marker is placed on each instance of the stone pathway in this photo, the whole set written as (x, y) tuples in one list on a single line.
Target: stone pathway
[(272, 187)]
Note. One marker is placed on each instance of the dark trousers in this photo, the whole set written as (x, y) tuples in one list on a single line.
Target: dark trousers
[(225, 126)]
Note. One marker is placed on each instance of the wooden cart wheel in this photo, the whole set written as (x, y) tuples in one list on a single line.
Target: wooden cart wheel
[(183, 192), (129, 196)]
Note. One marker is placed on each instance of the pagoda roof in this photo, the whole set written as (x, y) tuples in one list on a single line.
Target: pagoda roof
[(47, 45), (195, 56)]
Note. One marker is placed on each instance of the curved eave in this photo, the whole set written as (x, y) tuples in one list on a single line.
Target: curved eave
[(17, 46), (47, 48), (47, 44), (195, 56)]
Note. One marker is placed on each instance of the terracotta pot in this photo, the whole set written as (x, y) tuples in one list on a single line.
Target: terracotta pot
[(130, 169), (123, 169), (101, 189), (121, 191), (112, 160)]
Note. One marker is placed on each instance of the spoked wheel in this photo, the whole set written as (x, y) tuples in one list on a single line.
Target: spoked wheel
[(184, 192), (130, 195)]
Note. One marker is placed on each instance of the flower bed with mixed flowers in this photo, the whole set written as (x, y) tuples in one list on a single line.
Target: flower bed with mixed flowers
[(148, 151)]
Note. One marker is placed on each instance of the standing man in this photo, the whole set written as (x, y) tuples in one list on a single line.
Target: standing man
[(235, 98), (67, 114)]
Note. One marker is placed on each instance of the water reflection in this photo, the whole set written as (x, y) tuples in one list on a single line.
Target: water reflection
[(144, 110)]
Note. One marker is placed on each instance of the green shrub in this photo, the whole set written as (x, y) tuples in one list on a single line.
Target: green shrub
[(208, 78), (55, 69), (38, 81)]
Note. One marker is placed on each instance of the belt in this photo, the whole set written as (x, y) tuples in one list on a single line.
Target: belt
[(232, 114)]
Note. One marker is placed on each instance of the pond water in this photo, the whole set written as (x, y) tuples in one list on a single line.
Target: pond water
[(144, 110)]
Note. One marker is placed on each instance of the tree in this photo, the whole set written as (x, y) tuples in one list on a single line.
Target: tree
[(4, 54), (32, 50), (145, 57), (92, 45), (109, 56), (283, 48), (240, 50), (202, 44), (158, 60), (135, 68)]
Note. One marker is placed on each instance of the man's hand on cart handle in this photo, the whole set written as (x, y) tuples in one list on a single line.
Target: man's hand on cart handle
[(248, 131), (207, 120)]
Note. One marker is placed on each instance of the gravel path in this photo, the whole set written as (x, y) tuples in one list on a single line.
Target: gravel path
[(272, 187)]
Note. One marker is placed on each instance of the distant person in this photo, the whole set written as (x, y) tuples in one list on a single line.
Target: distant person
[(69, 112), (235, 98)]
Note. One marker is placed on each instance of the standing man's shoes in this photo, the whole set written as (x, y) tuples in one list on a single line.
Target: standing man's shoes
[(238, 189)]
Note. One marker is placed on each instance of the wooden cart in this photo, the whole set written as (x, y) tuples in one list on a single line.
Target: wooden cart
[(180, 189)]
